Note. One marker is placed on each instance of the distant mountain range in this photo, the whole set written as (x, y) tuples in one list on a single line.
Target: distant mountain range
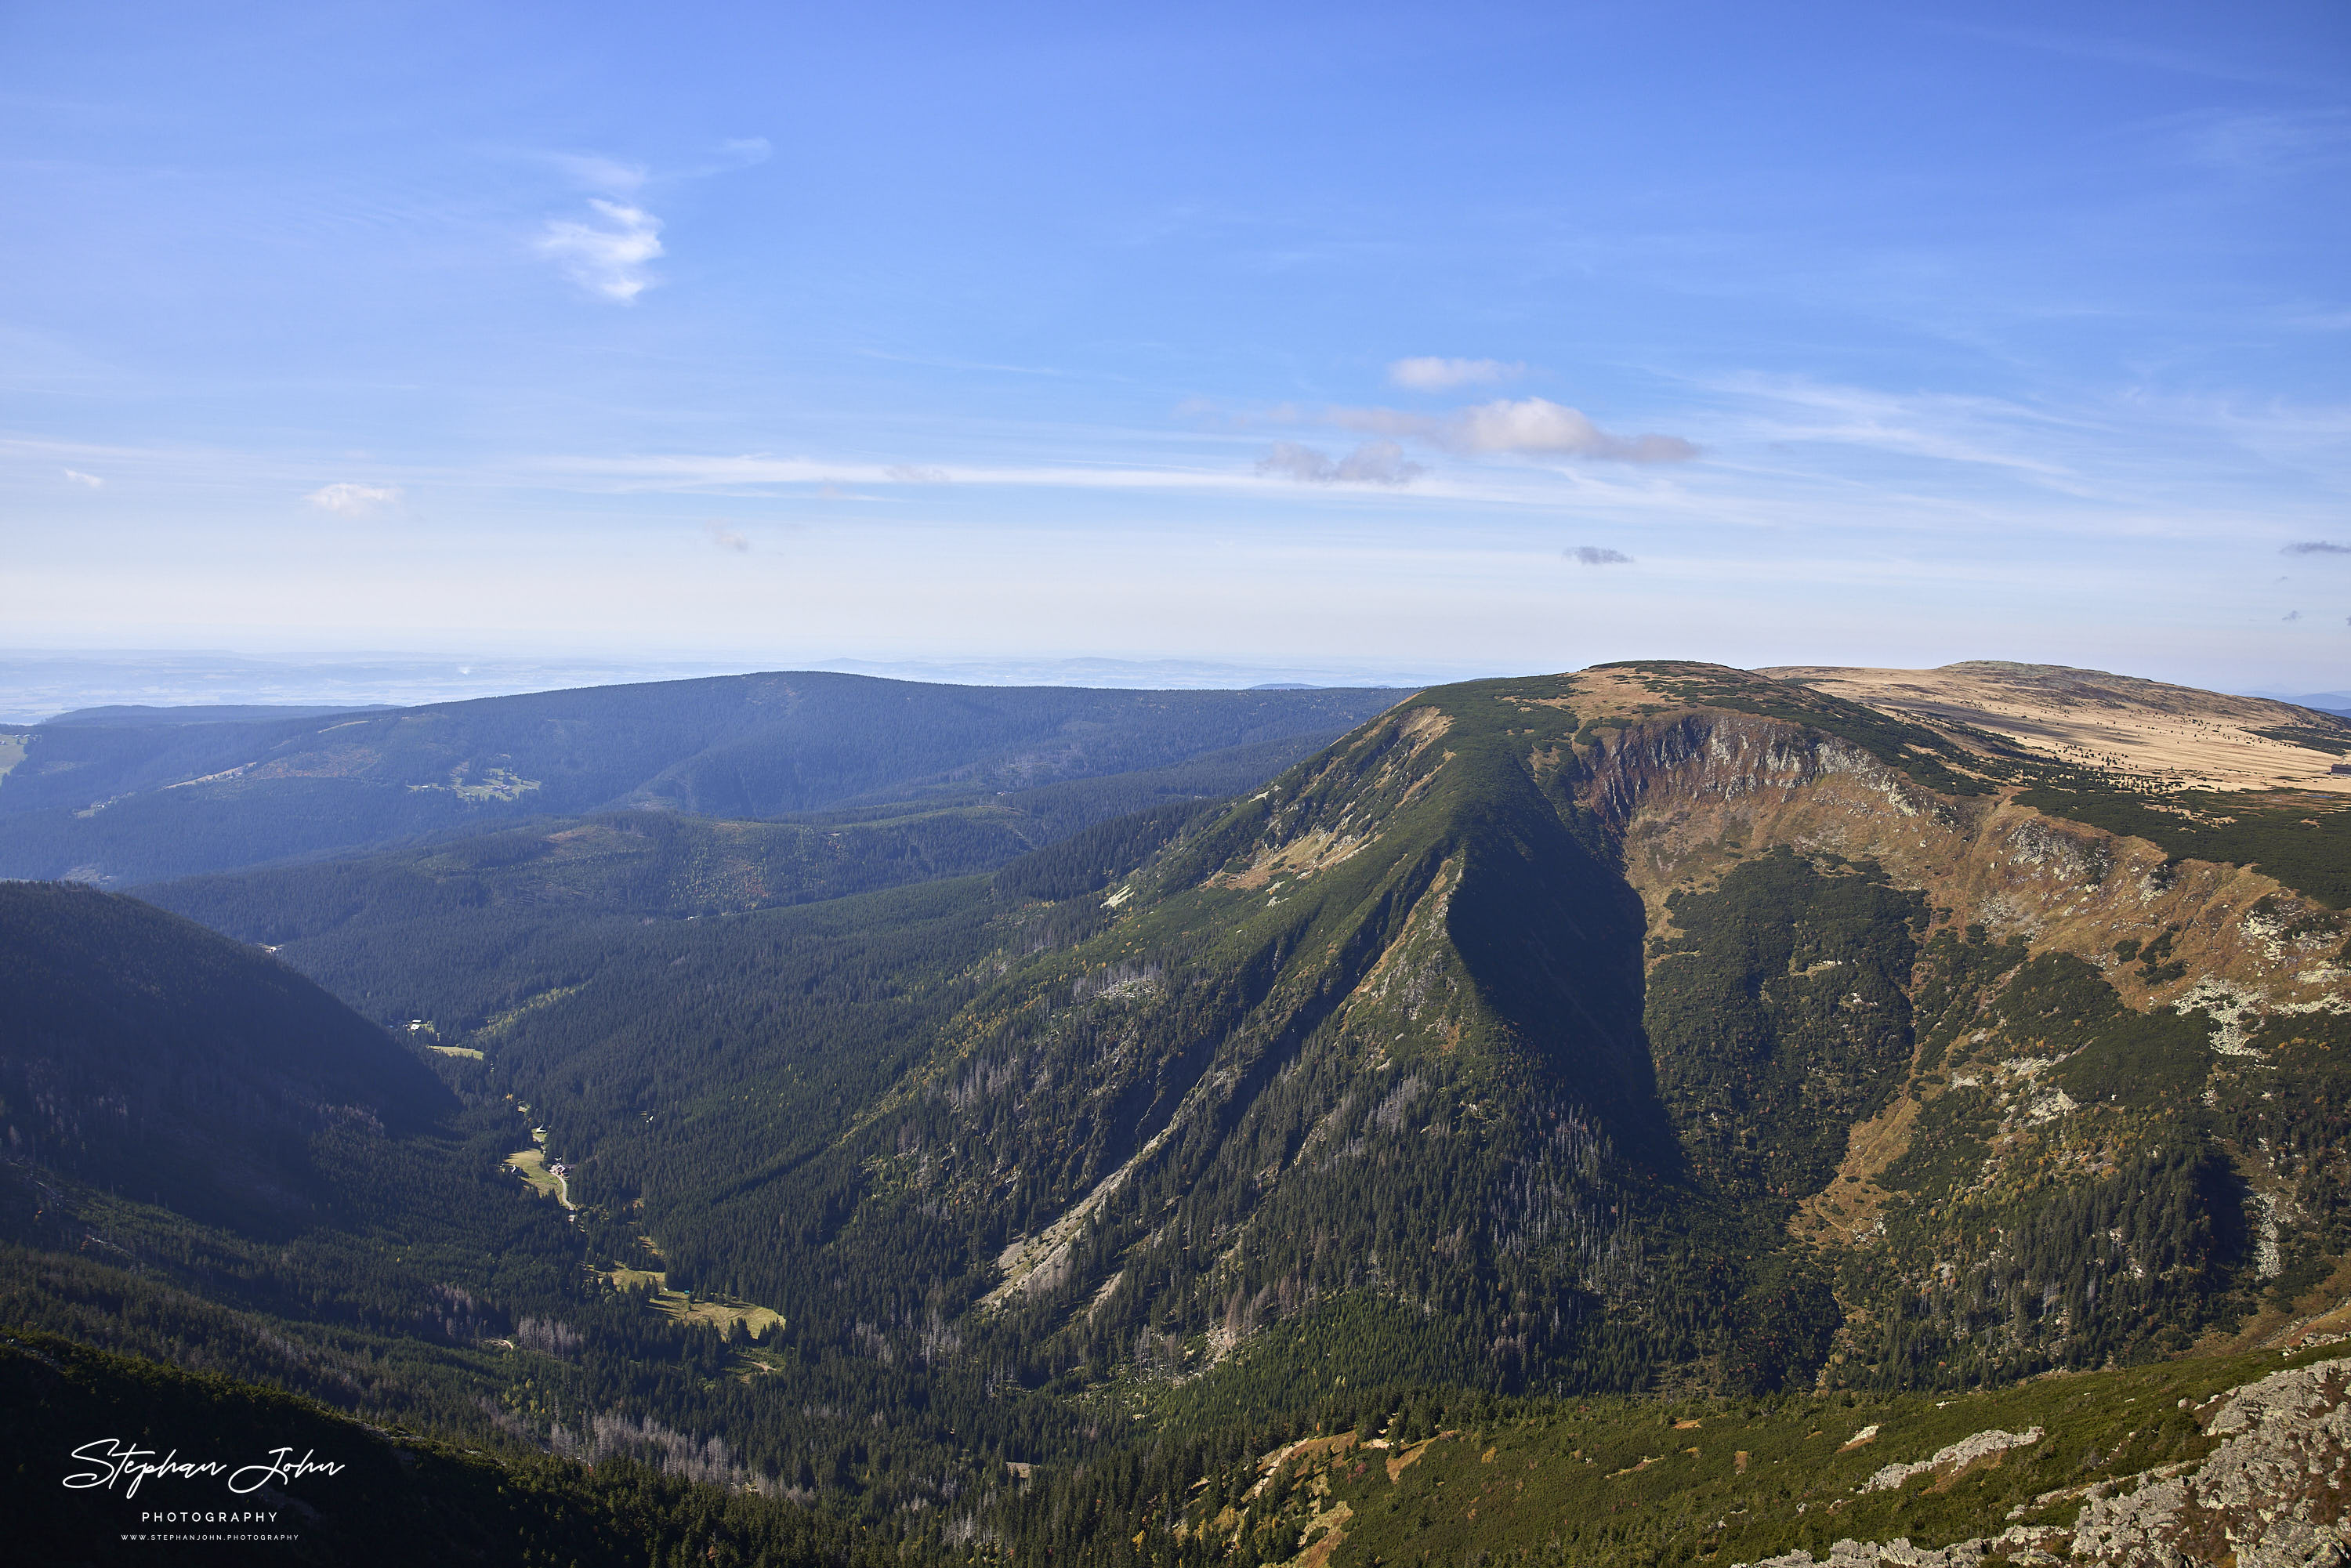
[(135, 717), (121, 800), (37, 683)]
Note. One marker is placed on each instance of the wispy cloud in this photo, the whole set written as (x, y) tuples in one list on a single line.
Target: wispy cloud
[(609, 253), (598, 172), (1596, 555), (2270, 142), (346, 499), (1207, 413), (609, 256), (1432, 373), (1531, 428), (1991, 432), (2315, 547), (721, 536), (1373, 462), (751, 474), (742, 152), (88, 481)]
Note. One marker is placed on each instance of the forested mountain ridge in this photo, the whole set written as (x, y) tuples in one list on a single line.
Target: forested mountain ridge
[(1424, 954), (666, 864), (121, 804)]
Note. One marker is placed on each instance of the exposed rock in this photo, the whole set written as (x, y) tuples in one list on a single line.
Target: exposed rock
[(2275, 1494), (1955, 1458)]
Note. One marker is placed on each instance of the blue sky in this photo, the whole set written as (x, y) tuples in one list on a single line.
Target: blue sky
[(1364, 336)]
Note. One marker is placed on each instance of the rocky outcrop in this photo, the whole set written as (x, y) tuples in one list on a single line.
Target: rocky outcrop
[(1948, 1462), (2275, 1493)]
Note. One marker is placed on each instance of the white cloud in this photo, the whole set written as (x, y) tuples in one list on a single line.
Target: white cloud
[(756, 474), (724, 538), (1430, 373), (1373, 462), (1539, 427), (1596, 555), (346, 499), (609, 259), (611, 253), (91, 481), (598, 172), (1532, 427)]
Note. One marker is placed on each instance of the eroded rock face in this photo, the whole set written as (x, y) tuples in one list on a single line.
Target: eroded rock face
[(2276, 1493), (1675, 792), (2222, 952)]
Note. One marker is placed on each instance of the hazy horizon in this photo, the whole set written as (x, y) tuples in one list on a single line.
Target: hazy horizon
[(37, 685)]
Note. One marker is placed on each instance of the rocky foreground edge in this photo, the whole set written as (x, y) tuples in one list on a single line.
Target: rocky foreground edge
[(2273, 1495)]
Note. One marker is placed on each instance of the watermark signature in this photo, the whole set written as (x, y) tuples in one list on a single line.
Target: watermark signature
[(114, 1463)]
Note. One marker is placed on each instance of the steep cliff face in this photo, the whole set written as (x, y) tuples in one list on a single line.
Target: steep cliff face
[(2114, 1121), (1689, 798)]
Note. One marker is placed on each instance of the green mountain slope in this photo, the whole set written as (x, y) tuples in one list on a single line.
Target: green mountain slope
[(208, 1157), (143, 1053)]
